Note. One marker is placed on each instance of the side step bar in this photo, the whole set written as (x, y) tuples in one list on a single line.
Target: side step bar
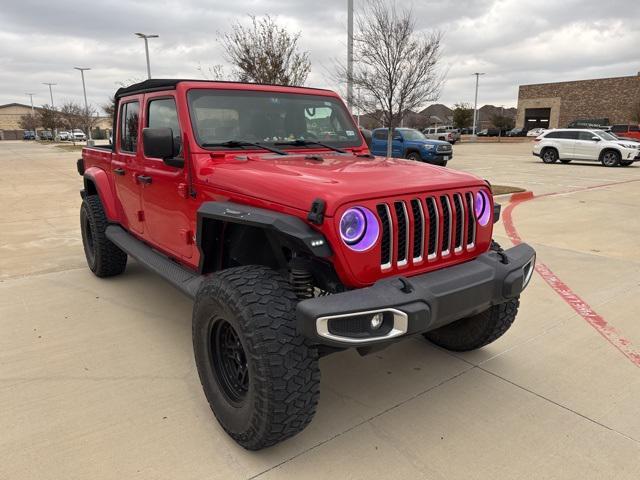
[(186, 281)]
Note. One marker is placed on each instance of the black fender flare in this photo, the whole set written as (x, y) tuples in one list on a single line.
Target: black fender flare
[(289, 228)]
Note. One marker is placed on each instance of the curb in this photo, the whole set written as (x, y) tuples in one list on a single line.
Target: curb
[(514, 197)]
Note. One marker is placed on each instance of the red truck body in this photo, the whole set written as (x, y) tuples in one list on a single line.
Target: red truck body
[(163, 213)]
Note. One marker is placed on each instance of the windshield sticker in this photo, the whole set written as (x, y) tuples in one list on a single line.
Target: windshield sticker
[(350, 133)]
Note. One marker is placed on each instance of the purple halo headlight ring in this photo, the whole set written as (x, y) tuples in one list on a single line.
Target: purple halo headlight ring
[(359, 228), (482, 207)]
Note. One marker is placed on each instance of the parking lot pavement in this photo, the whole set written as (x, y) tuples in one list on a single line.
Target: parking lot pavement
[(97, 378)]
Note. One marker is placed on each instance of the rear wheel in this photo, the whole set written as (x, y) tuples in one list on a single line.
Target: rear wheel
[(104, 258), (549, 155), (260, 376), (610, 158)]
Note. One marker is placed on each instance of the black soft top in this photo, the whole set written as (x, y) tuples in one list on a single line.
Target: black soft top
[(155, 84)]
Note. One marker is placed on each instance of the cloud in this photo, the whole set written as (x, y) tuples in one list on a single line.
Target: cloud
[(514, 42)]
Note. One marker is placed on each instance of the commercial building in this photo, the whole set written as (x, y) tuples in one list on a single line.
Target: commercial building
[(556, 105)]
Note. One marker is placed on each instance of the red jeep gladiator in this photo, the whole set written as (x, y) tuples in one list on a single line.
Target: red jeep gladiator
[(264, 205)]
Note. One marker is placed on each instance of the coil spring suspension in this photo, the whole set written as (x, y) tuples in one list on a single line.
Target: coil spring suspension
[(301, 282)]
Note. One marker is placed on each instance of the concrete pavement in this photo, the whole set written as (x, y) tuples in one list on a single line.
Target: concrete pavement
[(97, 378)]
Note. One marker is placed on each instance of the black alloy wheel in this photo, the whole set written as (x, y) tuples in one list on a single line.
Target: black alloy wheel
[(230, 361)]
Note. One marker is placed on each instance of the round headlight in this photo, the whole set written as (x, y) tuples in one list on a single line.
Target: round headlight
[(359, 228), (482, 207)]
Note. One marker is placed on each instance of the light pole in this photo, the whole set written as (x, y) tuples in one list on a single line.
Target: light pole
[(55, 130), (86, 105), (33, 115), (475, 104), (350, 55), (146, 49)]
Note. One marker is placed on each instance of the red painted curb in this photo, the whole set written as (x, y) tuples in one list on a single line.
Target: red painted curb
[(581, 307)]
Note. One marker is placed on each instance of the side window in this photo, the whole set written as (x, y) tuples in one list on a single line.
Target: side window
[(619, 128), (571, 134), (380, 135), (586, 136), (163, 113), (397, 135), (129, 116), (552, 135), (634, 128)]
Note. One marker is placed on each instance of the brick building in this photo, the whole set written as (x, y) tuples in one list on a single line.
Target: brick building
[(555, 105)]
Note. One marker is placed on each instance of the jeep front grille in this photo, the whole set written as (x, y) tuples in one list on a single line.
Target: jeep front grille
[(426, 228)]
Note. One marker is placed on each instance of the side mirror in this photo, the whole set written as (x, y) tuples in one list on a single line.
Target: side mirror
[(596, 139), (159, 143)]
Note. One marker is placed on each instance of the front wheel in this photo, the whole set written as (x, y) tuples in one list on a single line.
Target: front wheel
[(610, 158), (415, 156), (260, 376), (478, 330)]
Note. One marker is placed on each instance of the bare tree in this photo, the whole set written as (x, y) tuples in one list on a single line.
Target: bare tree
[(109, 108), (73, 117), (47, 117), (502, 122), (395, 68), (28, 122), (213, 72), (264, 52)]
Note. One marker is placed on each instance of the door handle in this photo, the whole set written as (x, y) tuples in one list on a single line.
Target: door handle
[(118, 171), (145, 179)]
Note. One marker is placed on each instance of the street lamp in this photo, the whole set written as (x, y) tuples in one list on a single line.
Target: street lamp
[(33, 115), (475, 105), (146, 49), (55, 130), (84, 91)]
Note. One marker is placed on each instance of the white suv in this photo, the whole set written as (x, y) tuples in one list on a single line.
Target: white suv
[(590, 145)]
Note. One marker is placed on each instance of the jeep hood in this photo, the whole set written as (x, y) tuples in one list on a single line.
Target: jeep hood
[(298, 179)]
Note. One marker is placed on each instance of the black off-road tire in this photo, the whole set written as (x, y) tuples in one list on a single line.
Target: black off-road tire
[(610, 158), (104, 258), (415, 156), (549, 155), (281, 375), (478, 330)]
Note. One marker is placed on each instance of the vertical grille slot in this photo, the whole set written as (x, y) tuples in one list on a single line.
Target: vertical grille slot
[(386, 242), (471, 221), (418, 230), (434, 221), (446, 224), (403, 232), (458, 240)]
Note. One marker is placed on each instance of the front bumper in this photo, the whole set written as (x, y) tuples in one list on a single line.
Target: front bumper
[(407, 306), (439, 157)]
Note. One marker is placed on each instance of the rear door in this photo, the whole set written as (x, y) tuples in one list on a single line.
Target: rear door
[(126, 166), (164, 194)]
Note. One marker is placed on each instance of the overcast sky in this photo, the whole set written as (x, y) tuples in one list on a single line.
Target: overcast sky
[(514, 41)]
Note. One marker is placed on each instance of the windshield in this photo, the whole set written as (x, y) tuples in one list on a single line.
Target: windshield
[(606, 136), (413, 135), (270, 117)]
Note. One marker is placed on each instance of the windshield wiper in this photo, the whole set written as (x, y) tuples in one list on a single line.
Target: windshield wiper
[(302, 143), (241, 144)]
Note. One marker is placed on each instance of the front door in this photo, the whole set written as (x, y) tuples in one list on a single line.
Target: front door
[(126, 166), (584, 147), (397, 149), (165, 195)]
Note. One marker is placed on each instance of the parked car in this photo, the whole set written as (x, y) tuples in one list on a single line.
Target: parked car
[(489, 132), (466, 131), (534, 132), (64, 135), (412, 144), (628, 131), (78, 135), (444, 133), (46, 135), (29, 135), (292, 247), (516, 132), (585, 144)]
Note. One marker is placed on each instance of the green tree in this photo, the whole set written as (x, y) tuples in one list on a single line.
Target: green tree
[(462, 115), (502, 121)]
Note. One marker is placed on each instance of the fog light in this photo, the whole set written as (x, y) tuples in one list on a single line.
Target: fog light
[(376, 320), (527, 271)]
